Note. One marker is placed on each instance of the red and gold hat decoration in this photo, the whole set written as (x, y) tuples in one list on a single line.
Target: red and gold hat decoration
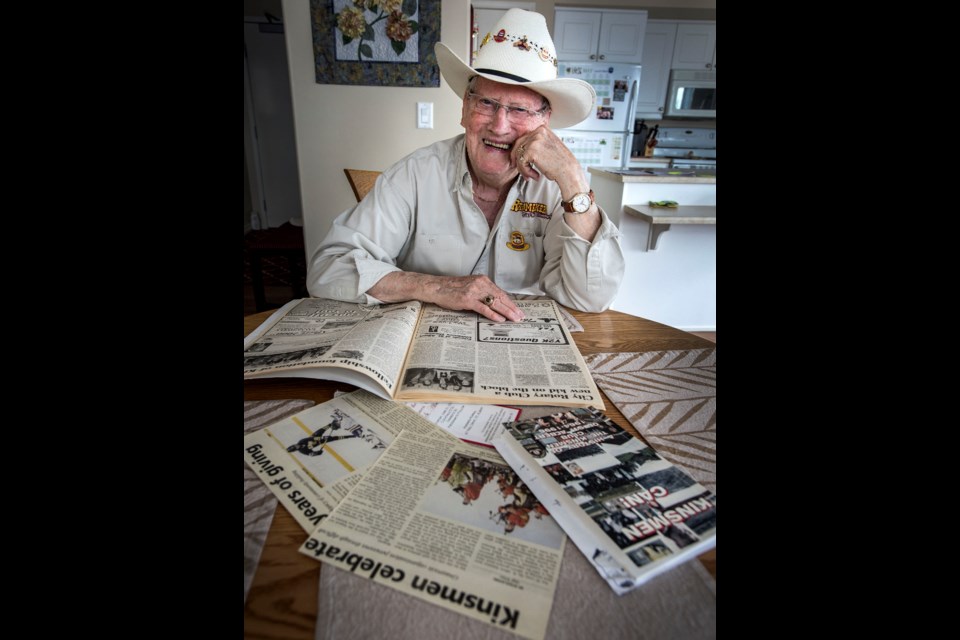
[(522, 43)]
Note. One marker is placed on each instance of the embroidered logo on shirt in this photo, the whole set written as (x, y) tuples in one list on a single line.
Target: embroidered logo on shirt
[(531, 209), (517, 242)]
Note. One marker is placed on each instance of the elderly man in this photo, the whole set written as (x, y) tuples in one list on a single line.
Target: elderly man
[(503, 209)]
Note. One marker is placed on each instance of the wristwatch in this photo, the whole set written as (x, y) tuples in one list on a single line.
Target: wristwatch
[(578, 203)]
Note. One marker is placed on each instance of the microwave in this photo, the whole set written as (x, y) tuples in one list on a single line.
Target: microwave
[(692, 94)]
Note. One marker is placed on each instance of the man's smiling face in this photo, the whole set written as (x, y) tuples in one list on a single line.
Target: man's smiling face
[(490, 139)]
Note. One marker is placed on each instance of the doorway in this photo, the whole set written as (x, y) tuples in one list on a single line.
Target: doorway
[(269, 141)]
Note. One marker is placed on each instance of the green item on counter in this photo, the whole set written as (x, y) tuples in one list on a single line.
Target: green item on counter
[(664, 203)]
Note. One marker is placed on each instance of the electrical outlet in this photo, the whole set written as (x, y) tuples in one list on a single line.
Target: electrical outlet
[(424, 115)]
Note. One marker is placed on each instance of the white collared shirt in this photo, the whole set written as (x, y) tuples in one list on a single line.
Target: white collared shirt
[(421, 217)]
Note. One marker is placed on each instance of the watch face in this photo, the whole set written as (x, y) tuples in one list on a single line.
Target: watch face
[(581, 203)]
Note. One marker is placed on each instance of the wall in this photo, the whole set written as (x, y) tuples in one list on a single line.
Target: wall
[(676, 284), (359, 127)]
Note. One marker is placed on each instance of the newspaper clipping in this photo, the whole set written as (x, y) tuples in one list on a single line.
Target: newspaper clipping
[(475, 423), (475, 360), (312, 459), (632, 514), (452, 524)]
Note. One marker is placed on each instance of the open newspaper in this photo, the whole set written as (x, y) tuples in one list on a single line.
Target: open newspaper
[(632, 514), (421, 352), (313, 458), (449, 523)]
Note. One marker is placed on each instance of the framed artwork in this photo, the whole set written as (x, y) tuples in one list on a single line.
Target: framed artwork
[(376, 42)]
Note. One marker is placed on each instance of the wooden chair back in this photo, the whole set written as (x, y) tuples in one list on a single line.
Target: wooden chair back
[(361, 181)]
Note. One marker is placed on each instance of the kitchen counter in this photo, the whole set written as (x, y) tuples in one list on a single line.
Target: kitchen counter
[(669, 277), (679, 215), (615, 188), (643, 161), (700, 176), (660, 218)]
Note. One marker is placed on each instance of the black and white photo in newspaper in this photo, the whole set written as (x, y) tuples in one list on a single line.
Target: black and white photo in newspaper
[(312, 459)]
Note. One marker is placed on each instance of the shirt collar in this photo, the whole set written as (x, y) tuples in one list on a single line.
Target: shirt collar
[(460, 151)]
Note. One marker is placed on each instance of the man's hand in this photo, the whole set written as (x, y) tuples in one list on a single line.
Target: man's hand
[(450, 292), (550, 157), (543, 151)]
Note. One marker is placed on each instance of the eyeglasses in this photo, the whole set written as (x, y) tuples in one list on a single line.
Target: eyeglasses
[(516, 115)]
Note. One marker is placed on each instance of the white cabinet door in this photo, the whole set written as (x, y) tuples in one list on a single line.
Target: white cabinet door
[(658, 44), (622, 36), (595, 36), (695, 47), (576, 35)]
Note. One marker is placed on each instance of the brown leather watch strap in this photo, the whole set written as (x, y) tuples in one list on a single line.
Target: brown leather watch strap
[(568, 204)]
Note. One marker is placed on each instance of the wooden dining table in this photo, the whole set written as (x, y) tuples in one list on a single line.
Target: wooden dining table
[(282, 601)]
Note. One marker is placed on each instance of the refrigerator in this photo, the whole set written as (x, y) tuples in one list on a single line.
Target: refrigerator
[(605, 138)]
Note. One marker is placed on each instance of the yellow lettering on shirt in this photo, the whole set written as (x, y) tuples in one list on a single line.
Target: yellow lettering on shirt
[(531, 209)]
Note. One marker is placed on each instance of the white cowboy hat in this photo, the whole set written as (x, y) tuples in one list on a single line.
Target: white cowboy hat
[(520, 51)]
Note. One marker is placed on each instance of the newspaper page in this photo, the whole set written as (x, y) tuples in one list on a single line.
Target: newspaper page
[(632, 514), (474, 423), (470, 359), (312, 459), (449, 523), (333, 340), (572, 324)]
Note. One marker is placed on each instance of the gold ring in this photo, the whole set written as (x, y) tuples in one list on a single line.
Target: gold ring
[(522, 148), (488, 300)]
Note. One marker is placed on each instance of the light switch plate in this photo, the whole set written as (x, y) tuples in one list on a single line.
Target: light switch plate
[(424, 115)]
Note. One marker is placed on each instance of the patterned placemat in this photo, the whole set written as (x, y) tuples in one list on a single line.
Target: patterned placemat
[(258, 503), (670, 397), (681, 603)]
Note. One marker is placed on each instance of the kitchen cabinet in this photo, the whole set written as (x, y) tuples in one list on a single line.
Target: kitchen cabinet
[(583, 35), (658, 45), (695, 46)]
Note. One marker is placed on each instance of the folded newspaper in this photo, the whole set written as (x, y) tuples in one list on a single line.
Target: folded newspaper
[(413, 351), (632, 514)]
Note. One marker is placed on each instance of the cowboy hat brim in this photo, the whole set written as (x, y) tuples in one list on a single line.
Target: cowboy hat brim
[(571, 100)]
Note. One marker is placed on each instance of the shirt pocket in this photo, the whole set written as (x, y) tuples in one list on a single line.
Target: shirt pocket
[(520, 268)]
